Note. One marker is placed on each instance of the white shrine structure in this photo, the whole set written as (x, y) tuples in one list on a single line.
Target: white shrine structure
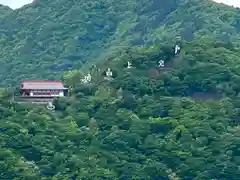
[(41, 92), (42, 89)]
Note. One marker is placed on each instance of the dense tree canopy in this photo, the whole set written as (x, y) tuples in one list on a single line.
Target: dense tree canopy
[(42, 39), (177, 122), (181, 123)]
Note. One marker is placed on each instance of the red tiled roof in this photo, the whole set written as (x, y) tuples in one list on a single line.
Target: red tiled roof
[(42, 85)]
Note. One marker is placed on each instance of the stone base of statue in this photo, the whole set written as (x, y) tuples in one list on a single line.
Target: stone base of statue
[(128, 68), (50, 106), (108, 78)]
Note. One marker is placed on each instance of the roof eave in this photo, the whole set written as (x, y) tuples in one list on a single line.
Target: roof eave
[(45, 88)]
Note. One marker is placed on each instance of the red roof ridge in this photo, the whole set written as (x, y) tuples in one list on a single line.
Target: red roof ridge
[(40, 81), (41, 84)]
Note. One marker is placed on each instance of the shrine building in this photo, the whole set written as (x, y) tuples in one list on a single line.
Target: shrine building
[(42, 89)]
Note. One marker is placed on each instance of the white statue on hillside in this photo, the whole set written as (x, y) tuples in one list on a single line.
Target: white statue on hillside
[(129, 65), (161, 63), (109, 73), (87, 78), (177, 49)]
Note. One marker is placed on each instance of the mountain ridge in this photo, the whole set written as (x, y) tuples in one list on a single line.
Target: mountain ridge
[(48, 37), (177, 121)]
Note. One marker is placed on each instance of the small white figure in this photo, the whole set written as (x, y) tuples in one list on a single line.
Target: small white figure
[(84, 80), (161, 63), (129, 65), (109, 73), (50, 106), (177, 49), (87, 78)]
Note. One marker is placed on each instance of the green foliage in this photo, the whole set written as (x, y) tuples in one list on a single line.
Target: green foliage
[(42, 39), (181, 122), (4, 11), (178, 124)]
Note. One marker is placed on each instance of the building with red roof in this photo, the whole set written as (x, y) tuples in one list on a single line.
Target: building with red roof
[(43, 89)]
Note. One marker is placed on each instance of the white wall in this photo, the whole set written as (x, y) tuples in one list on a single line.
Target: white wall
[(61, 93)]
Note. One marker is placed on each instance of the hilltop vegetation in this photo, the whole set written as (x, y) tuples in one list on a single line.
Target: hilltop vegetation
[(45, 38), (180, 122), (137, 126)]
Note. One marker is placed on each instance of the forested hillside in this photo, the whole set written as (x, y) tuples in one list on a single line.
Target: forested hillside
[(4, 11), (177, 122), (42, 39)]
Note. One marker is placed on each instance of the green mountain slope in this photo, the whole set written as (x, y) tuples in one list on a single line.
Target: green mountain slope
[(41, 40), (139, 125), (180, 122), (4, 11)]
